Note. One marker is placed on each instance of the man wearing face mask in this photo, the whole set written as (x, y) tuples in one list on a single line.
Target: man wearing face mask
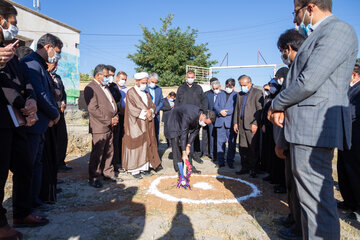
[(208, 132), (317, 111), (348, 164), (184, 123), (289, 44), (224, 108), (157, 98), (169, 104), (247, 117), (139, 150), (17, 94), (48, 51), (192, 93), (103, 117)]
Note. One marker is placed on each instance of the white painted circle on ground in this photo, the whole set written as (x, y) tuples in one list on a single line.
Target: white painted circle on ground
[(203, 186), (155, 191)]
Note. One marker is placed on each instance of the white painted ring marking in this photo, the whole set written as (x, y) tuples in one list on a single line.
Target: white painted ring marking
[(154, 190)]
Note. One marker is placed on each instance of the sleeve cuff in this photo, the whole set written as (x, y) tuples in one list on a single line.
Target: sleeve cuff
[(142, 115)]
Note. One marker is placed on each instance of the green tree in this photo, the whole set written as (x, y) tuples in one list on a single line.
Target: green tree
[(358, 60), (84, 77), (168, 51)]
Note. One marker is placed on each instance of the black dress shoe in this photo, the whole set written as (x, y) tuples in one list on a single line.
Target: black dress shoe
[(221, 165), (138, 176), (147, 173), (194, 170), (279, 189), (231, 166), (253, 174), (198, 160), (159, 168), (268, 178), (113, 179), (242, 171), (95, 183), (342, 205), (64, 168), (286, 233)]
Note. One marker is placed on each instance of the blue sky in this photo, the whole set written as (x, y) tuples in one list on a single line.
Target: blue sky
[(239, 28)]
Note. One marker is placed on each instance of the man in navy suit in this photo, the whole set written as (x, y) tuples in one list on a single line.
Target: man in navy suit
[(157, 98), (224, 107), (209, 135), (48, 51), (348, 164)]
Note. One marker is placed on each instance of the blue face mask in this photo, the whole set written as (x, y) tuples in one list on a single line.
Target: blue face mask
[(305, 30), (244, 89), (105, 81)]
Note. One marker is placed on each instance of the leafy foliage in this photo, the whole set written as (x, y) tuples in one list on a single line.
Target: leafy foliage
[(168, 51)]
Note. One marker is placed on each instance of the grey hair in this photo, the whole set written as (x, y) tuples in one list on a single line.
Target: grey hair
[(154, 75), (245, 76), (215, 83)]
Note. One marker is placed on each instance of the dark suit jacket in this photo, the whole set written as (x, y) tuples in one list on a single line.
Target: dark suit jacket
[(12, 77), (253, 108), (62, 88), (166, 110), (100, 109), (182, 121), (209, 95), (115, 92), (194, 95), (221, 104), (159, 98), (354, 98), (40, 79)]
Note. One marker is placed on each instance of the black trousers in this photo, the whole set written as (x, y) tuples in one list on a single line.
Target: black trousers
[(118, 132), (61, 140), (16, 158), (348, 167), (177, 153)]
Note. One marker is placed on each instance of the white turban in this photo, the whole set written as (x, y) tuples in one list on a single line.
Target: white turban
[(141, 75)]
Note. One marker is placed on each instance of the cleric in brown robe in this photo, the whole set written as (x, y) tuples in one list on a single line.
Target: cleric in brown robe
[(139, 150)]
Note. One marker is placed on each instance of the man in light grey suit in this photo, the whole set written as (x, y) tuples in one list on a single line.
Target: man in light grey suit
[(317, 118)]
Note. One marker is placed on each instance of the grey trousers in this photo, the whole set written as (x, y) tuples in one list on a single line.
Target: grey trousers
[(312, 169)]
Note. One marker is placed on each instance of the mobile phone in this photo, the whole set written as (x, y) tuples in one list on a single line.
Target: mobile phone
[(14, 44)]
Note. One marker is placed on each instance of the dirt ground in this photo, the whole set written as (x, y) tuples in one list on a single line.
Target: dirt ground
[(131, 211)]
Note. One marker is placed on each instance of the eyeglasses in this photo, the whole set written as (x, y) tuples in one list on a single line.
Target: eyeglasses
[(296, 12)]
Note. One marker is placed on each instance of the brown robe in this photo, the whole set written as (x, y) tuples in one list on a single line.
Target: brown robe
[(139, 141)]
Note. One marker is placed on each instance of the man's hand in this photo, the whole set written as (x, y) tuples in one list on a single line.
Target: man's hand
[(63, 107), (254, 128), (31, 120), (280, 152), (276, 117), (264, 129), (51, 123), (6, 54), (236, 128), (148, 114), (188, 149), (56, 120), (223, 113), (114, 121), (30, 108)]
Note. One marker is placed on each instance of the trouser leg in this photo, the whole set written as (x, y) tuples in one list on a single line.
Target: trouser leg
[(6, 137), (108, 153), (36, 147), (312, 169), (176, 151), (231, 139), (21, 162), (221, 141)]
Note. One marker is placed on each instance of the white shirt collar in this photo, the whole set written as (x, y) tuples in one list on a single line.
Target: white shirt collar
[(315, 26)]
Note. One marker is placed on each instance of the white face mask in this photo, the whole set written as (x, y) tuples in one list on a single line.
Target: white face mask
[(9, 33), (142, 87), (216, 91), (280, 81), (121, 82), (152, 85), (54, 58), (286, 61), (190, 80), (266, 93), (228, 90), (111, 79), (202, 123)]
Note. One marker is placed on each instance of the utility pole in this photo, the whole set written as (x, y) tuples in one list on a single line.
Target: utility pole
[(259, 54), (227, 60)]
